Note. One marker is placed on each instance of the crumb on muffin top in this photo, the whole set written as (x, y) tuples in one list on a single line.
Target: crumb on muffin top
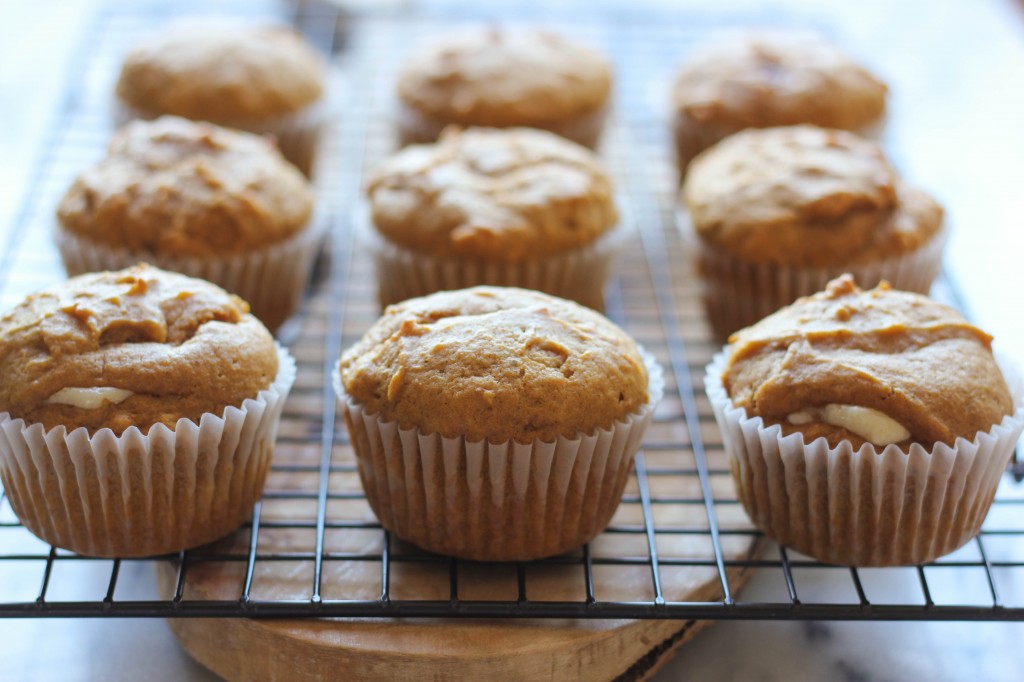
[(505, 77), (183, 188), (805, 196), (915, 361), (505, 195), (131, 348), (496, 363)]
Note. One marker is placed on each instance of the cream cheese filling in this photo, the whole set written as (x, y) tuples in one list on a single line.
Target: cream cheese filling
[(871, 425), (89, 398)]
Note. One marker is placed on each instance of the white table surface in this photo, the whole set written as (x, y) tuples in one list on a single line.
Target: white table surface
[(957, 71)]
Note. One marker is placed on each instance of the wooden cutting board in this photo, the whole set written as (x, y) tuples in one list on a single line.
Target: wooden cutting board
[(494, 650), (442, 649)]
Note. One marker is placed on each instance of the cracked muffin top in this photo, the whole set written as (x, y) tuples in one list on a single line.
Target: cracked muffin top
[(506, 195), (878, 366), (777, 78), (222, 72), (131, 348), (806, 196), (496, 363), (179, 188), (499, 77)]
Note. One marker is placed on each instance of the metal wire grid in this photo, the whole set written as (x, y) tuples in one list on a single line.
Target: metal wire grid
[(681, 468)]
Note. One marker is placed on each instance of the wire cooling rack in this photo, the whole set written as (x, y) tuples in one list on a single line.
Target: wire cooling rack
[(313, 495)]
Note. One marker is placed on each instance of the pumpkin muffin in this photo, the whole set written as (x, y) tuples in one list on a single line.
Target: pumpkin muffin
[(495, 423), (779, 212), (263, 79), (867, 428), (199, 199), (768, 79), (514, 207), (138, 411), (504, 78)]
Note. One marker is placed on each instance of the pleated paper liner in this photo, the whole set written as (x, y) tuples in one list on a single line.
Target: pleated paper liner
[(871, 506), (692, 137), (143, 494), (505, 501), (578, 274), (737, 293), (415, 127), (271, 280)]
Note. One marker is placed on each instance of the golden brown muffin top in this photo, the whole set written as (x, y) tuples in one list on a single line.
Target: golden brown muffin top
[(135, 347), (224, 73), (777, 78), (501, 77), (505, 195), (496, 363), (805, 196), (915, 361), (176, 187)]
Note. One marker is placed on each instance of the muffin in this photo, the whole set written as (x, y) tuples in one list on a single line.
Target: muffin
[(263, 79), (198, 199), (495, 424), (510, 207), (504, 78), (779, 212), (138, 412), (769, 79), (866, 428)]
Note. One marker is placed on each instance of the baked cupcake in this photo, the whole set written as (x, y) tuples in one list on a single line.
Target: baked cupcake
[(511, 207), (198, 199), (263, 79), (138, 412), (504, 78), (493, 423), (781, 211), (866, 428), (768, 79)]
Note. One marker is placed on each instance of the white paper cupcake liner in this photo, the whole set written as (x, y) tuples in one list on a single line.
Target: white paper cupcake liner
[(495, 501), (271, 280), (415, 127), (578, 275), (297, 135), (736, 293), (692, 137), (865, 507), (138, 495), (875, 131)]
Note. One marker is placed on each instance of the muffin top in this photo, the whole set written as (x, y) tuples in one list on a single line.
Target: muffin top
[(777, 78), (878, 366), (496, 363), (498, 77), (224, 73), (505, 195), (805, 196), (176, 187), (135, 347)]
